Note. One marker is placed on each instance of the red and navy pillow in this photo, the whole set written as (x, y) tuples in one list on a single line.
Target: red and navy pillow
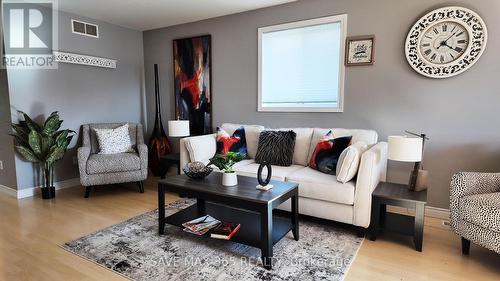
[(235, 143), (327, 153)]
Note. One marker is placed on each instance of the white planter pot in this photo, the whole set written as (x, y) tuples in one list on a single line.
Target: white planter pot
[(229, 179)]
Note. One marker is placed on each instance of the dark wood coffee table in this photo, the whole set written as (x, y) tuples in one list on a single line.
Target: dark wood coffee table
[(242, 204)]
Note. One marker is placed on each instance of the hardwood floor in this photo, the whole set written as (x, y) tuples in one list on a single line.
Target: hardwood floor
[(32, 230)]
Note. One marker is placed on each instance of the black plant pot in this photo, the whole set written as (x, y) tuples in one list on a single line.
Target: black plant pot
[(48, 192)]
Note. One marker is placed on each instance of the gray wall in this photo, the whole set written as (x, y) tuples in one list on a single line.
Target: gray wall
[(8, 174), (459, 114), (82, 94)]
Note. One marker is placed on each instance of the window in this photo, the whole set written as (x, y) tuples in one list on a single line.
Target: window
[(301, 66)]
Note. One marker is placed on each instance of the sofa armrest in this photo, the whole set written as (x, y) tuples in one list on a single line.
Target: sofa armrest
[(143, 155), (470, 183), (83, 154), (198, 148), (372, 170)]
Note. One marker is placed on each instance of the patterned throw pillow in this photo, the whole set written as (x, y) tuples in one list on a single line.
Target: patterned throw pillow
[(113, 141), (327, 153), (276, 147), (235, 143)]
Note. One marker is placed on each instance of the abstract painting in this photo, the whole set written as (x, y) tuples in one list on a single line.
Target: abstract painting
[(192, 83)]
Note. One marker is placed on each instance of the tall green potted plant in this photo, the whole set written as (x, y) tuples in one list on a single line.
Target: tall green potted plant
[(43, 144), (225, 163)]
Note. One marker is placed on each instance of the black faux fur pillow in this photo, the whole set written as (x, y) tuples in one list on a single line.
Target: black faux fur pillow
[(276, 147)]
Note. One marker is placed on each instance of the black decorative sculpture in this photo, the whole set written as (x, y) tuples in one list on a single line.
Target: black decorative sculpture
[(264, 184), (158, 144)]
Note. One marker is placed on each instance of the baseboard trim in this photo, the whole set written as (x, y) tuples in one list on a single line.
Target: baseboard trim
[(432, 212), (32, 191), (435, 212), (8, 190)]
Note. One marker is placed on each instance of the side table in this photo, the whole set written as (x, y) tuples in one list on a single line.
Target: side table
[(398, 195), (169, 159)]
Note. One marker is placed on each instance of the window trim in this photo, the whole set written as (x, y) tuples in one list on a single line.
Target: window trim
[(298, 24)]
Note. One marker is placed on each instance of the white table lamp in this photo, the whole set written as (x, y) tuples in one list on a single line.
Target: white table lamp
[(409, 149), (178, 128)]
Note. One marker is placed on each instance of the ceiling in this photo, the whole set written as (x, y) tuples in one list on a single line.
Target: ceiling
[(151, 14)]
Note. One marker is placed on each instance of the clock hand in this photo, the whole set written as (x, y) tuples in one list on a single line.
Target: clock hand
[(449, 37)]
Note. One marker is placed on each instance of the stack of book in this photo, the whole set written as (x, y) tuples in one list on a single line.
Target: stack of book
[(201, 225), (211, 225), (225, 231)]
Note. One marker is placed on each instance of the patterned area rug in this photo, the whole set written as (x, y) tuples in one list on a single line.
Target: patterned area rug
[(135, 250)]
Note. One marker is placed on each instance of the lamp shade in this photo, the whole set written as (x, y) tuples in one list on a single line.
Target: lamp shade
[(405, 149), (178, 128)]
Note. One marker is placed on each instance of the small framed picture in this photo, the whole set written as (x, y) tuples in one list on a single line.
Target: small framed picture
[(360, 50)]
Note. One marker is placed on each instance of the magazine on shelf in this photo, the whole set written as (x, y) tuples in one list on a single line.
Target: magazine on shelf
[(201, 225)]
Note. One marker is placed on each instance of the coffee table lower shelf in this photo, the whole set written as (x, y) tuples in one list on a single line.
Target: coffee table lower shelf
[(249, 232)]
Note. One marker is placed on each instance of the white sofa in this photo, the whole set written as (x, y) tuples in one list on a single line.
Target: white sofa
[(320, 195)]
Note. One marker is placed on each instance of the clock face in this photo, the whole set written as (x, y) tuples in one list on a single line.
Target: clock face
[(446, 42)]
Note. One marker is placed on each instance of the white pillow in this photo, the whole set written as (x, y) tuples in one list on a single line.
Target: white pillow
[(113, 141), (348, 164), (201, 148)]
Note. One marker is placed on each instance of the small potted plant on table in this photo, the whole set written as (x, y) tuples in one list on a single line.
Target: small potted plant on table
[(43, 144), (225, 163)]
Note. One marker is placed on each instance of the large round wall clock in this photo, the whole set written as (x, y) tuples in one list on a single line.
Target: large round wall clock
[(446, 42)]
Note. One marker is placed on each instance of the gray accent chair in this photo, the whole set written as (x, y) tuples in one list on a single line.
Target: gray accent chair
[(475, 209), (101, 169)]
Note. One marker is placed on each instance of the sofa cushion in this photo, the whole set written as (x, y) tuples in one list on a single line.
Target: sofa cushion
[(252, 133), (113, 163), (348, 164), (302, 143), (201, 148), (482, 210), (370, 137), (317, 185), (278, 172), (276, 147)]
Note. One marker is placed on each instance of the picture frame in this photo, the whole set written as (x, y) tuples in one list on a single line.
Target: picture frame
[(360, 50), (192, 59)]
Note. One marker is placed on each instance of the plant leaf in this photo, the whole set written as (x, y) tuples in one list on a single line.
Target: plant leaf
[(47, 143), (35, 142), (61, 139), (52, 124), (55, 154), (21, 130), (27, 154), (32, 125)]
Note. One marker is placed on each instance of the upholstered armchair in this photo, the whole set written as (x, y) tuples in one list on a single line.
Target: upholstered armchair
[(102, 169), (475, 209)]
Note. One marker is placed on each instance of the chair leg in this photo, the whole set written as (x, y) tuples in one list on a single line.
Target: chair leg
[(87, 191), (141, 186), (465, 246)]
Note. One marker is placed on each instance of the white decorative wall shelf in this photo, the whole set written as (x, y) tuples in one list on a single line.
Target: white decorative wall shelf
[(83, 59)]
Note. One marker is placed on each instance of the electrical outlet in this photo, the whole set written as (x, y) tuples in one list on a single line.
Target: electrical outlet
[(75, 160), (1, 165)]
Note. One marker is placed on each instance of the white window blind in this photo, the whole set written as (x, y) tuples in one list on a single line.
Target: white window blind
[(301, 66)]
